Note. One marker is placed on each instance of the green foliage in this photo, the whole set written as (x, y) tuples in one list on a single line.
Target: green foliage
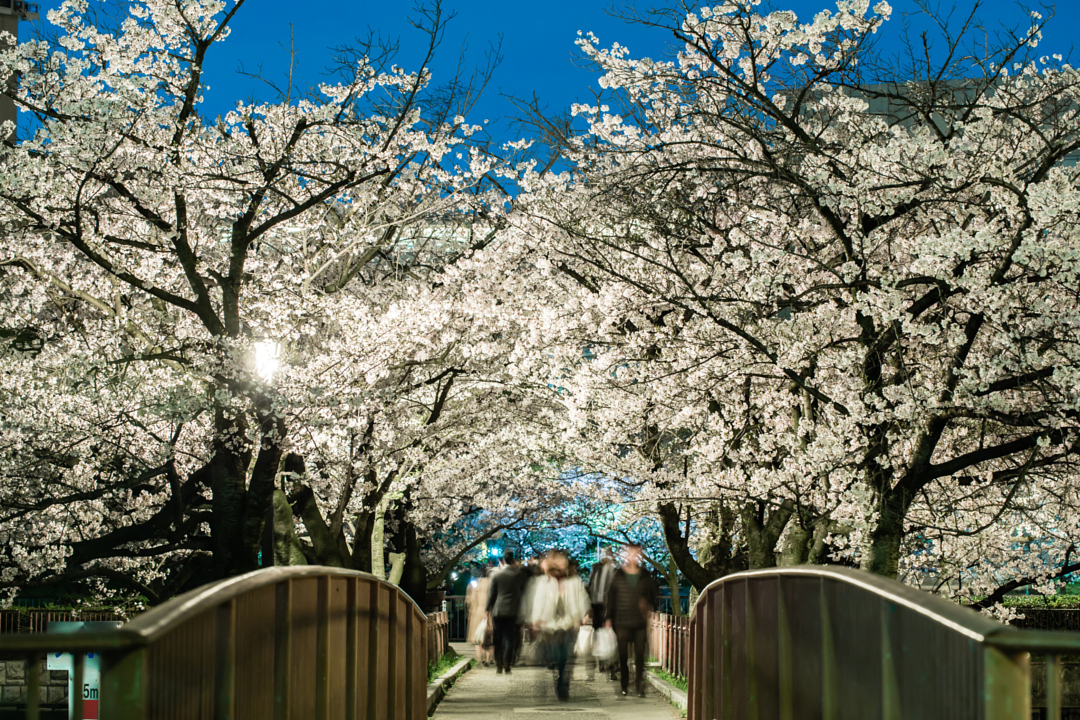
[(679, 683), (447, 661), (1043, 601)]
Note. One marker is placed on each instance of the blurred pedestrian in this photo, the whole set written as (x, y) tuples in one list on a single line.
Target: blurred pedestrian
[(558, 606), (599, 582), (478, 629), (631, 599), (504, 608)]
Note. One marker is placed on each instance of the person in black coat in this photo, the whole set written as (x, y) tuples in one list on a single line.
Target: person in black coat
[(504, 609), (631, 599)]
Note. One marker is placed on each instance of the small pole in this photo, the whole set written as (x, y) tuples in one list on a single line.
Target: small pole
[(33, 692), (78, 674), (1053, 687)]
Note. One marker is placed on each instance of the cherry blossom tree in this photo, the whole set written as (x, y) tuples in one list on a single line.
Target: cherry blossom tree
[(825, 307), (153, 253)]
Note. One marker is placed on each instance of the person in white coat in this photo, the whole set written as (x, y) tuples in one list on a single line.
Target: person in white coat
[(557, 605)]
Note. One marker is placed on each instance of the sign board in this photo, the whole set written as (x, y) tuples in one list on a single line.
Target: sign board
[(91, 667)]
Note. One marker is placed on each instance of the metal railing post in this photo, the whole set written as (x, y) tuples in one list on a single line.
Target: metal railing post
[(77, 673), (1007, 684), (124, 686), (33, 690), (1053, 687)]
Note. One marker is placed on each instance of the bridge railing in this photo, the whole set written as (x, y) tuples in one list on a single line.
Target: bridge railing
[(833, 643), (669, 642), (279, 643), (438, 634)]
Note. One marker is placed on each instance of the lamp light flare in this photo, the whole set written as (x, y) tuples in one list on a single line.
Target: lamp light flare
[(267, 359)]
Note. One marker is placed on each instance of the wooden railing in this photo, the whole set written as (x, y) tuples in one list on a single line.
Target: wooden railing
[(279, 643), (832, 643), (669, 642), (438, 636)]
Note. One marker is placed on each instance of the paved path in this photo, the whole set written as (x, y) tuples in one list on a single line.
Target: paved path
[(528, 693)]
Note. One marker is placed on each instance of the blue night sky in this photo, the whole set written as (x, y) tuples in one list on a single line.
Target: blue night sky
[(537, 41)]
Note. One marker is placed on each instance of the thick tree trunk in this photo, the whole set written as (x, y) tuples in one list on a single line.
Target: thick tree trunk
[(228, 469), (286, 545), (679, 548), (326, 548), (672, 576), (797, 544), (414, 580), (884, 554), (261, 485), (723, 553), (361, 550), (763, 531)]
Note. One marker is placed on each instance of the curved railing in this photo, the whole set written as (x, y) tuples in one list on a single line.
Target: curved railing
[(832, 643), (278, 643)]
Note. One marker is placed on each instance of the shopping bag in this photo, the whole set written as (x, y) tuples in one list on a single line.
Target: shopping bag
[(584, 643), (605, 646), (478, 634)]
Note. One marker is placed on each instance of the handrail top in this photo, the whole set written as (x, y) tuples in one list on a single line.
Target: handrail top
[(963, 620), (157, 621), (1051, 642), (152, 624), (68, 642)]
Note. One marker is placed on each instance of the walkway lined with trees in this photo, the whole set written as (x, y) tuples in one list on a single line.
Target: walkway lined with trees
[(528, 693), (777, 302)]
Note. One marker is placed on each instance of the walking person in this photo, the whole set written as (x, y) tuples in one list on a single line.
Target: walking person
[(558, 605), (504, 609), (632, 597), (599, 582), (478, 630)]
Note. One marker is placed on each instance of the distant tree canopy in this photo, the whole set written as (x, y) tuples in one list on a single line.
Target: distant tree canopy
[(774, 297)]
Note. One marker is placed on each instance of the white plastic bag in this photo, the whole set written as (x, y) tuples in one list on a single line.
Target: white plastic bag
[(605, 647), (478, 634), (584, 643)]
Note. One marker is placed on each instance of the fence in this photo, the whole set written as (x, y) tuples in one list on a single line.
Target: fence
[(438, 636), (835, 643), (35, 620), (458, 616), (1067, 619), (669, 642), (282, 642)]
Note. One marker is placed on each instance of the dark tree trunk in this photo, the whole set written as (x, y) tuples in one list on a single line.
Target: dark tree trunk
[(414, 579), (257, 504), (679, 547), (763, 531), (365, 526), (227, 480), (887, 536)]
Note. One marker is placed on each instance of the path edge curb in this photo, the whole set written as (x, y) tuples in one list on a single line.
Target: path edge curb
[(436, 690), (674, 695)]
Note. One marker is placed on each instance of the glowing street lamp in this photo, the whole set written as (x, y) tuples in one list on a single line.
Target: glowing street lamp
[(267, 359)]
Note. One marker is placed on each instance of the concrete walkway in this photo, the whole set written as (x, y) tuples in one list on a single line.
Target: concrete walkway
[(528, 693)]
